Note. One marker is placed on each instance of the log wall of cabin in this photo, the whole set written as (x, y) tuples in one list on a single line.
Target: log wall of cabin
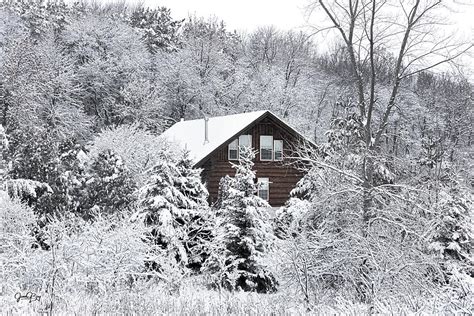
[(282, 176)]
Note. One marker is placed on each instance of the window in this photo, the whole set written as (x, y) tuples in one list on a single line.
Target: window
[(237, 144), (266, 147), (263, 188), (233, 150), (244, 141), (278, 148)]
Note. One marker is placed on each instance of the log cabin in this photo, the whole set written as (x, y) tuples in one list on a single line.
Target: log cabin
[(213, 144)]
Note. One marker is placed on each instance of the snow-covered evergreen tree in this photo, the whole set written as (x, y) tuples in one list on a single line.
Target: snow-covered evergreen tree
[(190, 182), (200, 233), (68, 184), (26, 190), (452, 232), (224, 191), (109, 187), (200, 222), (243, 233), (3, 152), (169, 200), (40, 15), (159, 30)]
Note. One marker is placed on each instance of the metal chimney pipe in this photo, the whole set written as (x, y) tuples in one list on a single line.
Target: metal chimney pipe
[(206, 130)]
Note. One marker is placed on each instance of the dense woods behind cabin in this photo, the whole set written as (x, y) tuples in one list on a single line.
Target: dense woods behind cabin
[(98, 214)]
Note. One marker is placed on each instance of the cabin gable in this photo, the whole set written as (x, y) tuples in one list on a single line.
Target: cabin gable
[(282, 176)]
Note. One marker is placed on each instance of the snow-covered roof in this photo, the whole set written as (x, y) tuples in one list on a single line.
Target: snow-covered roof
[(190, 134)]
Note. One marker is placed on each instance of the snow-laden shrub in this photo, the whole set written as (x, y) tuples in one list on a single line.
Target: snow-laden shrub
[(104, 256), (336, 251), (17, 222), (288, 218), (243, 234)]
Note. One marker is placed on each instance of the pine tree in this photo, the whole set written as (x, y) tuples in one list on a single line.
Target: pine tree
[(190, 181), (224, 191), (3, 152), (452, 234), (39, 15), (109, 187), (158, 28), (37, 158), (243, 233), (170, 199), (200, 222)]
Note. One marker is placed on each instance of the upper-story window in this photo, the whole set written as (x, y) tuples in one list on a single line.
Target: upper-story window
[(271, 149), (233, 152), (266, 147), (278, 150), (235, 147), (244, 141)]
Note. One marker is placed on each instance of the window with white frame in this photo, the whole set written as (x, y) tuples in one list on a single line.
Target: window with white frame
[(233, 151), (263, 188), (244, 141), (235, 147), (278, 150), (266, 147)]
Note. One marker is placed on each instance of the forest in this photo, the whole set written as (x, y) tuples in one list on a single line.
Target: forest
[(99, 215)]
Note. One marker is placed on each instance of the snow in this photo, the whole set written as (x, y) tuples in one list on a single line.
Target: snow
[(190, 134), (20, 188)]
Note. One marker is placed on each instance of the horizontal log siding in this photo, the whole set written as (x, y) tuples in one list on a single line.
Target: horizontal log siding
[(283, 176)]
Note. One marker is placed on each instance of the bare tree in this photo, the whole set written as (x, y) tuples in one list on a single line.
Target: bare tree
[(408, 29), (386, 43)]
